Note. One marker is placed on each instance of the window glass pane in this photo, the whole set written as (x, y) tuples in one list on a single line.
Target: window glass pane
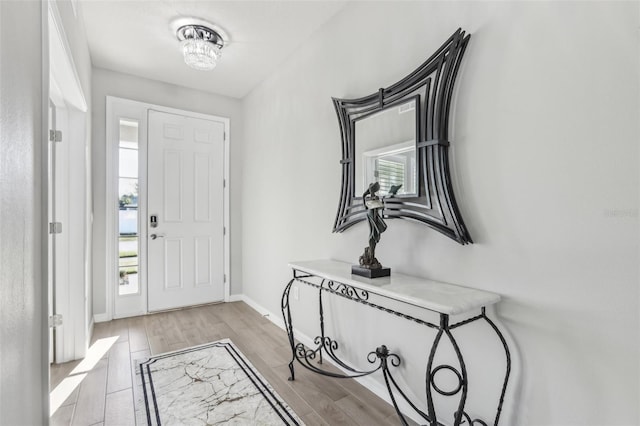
[(128, 162), (128, 193), (128, 281), (128, 265), (128, 220), (128, 251), (128, 134)]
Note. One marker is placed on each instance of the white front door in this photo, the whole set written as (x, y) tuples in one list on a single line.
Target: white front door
[(185, 211)]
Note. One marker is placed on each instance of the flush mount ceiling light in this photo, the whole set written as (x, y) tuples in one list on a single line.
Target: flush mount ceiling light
[(201, 46)]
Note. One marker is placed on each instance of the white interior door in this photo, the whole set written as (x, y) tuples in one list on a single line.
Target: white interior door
[(58, 241), (51, 236), (67, 213), (185, 211), (60, 235)]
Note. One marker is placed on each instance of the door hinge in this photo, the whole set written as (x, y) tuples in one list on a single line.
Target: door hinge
[(55, 320), (224, 183), (225, 278), (224, 230), (224, 136), (55, 227), (55, 135)]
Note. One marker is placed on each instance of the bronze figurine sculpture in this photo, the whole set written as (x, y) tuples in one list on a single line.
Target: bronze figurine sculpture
[(376, 226), (369, 266)]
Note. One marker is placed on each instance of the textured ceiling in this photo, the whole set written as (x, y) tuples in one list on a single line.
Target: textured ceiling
[(135, 37)]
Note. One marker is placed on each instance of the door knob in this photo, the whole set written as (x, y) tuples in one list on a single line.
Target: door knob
[(154, 236)]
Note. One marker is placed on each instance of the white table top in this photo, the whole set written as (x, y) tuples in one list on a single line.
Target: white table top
[(432, 295)]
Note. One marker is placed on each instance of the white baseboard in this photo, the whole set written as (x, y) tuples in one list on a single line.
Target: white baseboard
[(367, 381), (90, 331), (101, 318), (236, 298), (276, 319)]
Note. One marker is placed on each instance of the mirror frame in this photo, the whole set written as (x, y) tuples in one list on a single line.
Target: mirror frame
[(435, 204)]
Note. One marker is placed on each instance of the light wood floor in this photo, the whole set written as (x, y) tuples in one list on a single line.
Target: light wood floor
[(106, 395)]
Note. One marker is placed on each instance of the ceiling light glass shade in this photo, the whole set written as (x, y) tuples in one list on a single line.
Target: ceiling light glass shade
[(200, 54)]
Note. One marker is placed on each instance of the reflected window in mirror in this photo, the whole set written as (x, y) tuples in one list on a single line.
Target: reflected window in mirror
[(393, 165)]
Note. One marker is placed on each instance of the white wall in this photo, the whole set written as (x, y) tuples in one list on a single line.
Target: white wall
[(23, 297), (545, 166), (109, 83)]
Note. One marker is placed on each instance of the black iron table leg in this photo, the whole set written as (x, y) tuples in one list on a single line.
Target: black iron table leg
[(462, 378), (286, 315), (461, 375), (431, 411), (508, 369), (321, 309)]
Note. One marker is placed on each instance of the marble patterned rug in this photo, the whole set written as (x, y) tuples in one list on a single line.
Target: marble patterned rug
[(207, 385)]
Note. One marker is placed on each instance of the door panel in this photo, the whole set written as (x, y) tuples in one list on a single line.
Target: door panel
[(173, 185), (202, 189), (173, 262), (185, 191), (203, 261)]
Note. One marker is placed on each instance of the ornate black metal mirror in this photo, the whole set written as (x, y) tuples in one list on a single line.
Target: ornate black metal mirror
[(399, 136)]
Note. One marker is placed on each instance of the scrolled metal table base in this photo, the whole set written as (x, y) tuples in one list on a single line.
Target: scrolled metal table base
[(382, 358)]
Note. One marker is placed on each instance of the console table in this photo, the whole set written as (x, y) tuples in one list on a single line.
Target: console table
[(334, 278)]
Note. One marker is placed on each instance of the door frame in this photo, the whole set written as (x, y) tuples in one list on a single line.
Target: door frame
[(139, 111)]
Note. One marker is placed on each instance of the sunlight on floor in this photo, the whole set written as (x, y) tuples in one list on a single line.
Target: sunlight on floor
[(60, 394), (69, 384), (95, 354)]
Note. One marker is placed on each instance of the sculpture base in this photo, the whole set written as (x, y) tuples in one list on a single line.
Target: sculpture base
[(370, 273)]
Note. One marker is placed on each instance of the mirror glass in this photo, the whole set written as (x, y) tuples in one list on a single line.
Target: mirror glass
[(385, 149)]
